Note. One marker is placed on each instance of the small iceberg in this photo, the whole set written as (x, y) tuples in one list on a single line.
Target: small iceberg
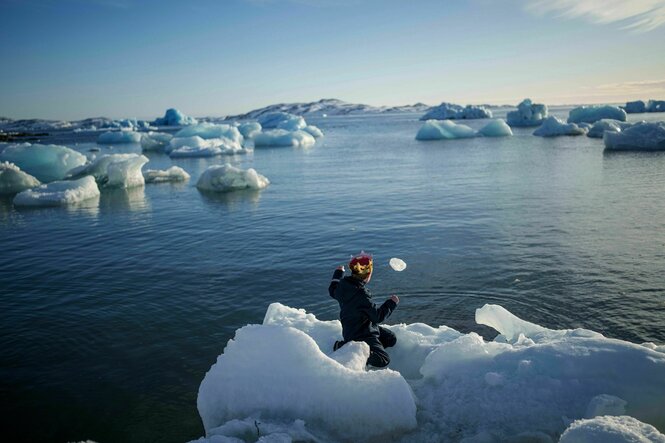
[(173, 174), (313, 131), (155, 141), (444, 130), (553, 127), (636, 107), (59, 193), (639, 137), (195, 146), (599, 128), (46, 163), (249, 129), (223, 178), (209, 131), (272, 120), (283, 129), (451, 111), (13, 180), (174, 117), (283, 138), (119, 137), (656, 106), (591, 114), (527, 114), (114, 170), (496, 128)]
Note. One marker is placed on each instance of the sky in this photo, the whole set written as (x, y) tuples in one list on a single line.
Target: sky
[(72, 59)]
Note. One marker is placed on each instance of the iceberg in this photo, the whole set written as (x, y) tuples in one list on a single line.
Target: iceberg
[(195, 146), (553, 127), (284, 377), (641, 136), (444, 130), (272, 120), (59, 193), (223, 178), (496, 128), (44, 162), (636, 107), (446, 111), (173, 174), (114, 170), (603, 125), (591, 114), (13, 180), (611, 429), (208, 131), (174, 117), (293, 123), (527, 114), (119, 137), (656, 106), (282, 137), (155, 141), (313, 131), (249, 129)]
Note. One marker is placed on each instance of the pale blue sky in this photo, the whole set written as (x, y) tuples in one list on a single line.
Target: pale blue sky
[(70, 59)]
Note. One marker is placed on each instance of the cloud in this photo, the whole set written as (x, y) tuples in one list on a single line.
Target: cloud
[(636, 15), (635, 86)]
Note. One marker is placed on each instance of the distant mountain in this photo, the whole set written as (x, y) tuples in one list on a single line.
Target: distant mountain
[(329, 106)]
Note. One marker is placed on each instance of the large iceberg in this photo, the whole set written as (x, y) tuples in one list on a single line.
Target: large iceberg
[(527, 114), (119, 137), (13, 180), (173, 174), (59, 193), (553, 127), (599, 128), (591, 114), (114, 170), (641, 136), (636, 107), (444, 130), (174, 117), (528, 384), (656, 106), (44, 162), (282, 137), (446, 111), (223, 178), (496, 128)]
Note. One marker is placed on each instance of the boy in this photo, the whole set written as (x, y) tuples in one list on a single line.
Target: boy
[(359, 316)]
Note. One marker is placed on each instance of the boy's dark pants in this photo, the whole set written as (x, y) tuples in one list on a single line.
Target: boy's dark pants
[(378, 357)]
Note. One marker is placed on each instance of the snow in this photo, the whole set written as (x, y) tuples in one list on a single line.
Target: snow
[(174, 117), (222, 178), (44, 162), (656, 106), (528, 384), (397, 264), (591, 114), (636, 107), (603, 125), (114, 170), (609, 429), (249, 129), (155, 141), (59, 193), (641, 136), (13, 180), (119, 137), (444, 130), (447, 111), (209, 131), (173, 174), (527, 114), (496, 128), (553, 127), (282, 137), (195, 146)]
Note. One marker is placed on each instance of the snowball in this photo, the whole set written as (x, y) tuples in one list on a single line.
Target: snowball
[(174, 117), (249, 129), (209, 131), (527, 114), (553, 127), (656, 106), (640, 137), (13, 180), (610, 429), (447, 111), (173, 174), (59, 193), (397, 264), (636, 107), (114, 170), (155, 141), (496, 128), (603, 125), (222, 178), (44, 162), (118, 137), (313, 131), (281, 138), (591, 114), (444, 130)]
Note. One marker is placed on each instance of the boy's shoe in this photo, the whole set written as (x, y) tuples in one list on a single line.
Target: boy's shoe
[(338, 344)]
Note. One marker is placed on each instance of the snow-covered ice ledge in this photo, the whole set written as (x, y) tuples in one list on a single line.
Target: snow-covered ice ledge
[(281, 380)]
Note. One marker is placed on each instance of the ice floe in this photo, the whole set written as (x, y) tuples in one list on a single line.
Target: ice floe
[(155, 141), (173, 117), (527, 114), (282, 137), (641, 136), (591, 114), (599, 128), (44, 162), (451, 111), (553, 127), (119, 137), (272, 120), (444, 130), (223, 178), (249, 129), (114, 170), (66, 192), (496, 128), (173, 174), (656, 106), (13, 180), (195, 146), (636, 107), (208, 131), (313, 131), (529, 383)]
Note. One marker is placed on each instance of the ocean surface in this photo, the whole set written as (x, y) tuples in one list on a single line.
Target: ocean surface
[(113, 310)]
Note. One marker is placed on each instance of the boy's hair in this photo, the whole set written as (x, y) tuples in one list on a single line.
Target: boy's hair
[(361, 265)]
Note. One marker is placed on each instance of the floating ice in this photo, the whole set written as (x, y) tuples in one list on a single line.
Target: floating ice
[(609, 429), (271, 120), (591, 114), (249, 129), (174, 117), (603, 125), (196, 146), (553, 127), (114, 170), (639, 137), (44, 162), (313, 131), (444, 130), (281, 137), (173, 174), (155, 141), (447, 111), (59, 193), (294, 123), (208, 131), (13, 180), (119, 137), (397, 264), (518, 386), (636, 107), (222, 178), (527, 114), (496, 128), (656, 106)]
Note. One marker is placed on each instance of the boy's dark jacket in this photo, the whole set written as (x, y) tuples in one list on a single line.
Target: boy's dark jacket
[(359, 316)]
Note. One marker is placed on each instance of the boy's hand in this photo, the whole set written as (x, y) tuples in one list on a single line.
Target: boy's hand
[(395, 299), (340, 268)]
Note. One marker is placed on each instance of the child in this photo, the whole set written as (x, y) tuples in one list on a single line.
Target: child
[(359, 316)]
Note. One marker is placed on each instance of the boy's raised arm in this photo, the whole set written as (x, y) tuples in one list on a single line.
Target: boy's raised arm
[(337, 275)]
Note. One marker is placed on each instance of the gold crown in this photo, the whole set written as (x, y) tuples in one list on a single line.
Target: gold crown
[(358, 268)]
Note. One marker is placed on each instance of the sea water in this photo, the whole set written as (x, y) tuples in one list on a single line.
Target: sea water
[(113, 310)]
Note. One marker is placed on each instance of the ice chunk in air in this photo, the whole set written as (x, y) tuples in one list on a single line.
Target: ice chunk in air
[(59, 193), (397, 264)]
